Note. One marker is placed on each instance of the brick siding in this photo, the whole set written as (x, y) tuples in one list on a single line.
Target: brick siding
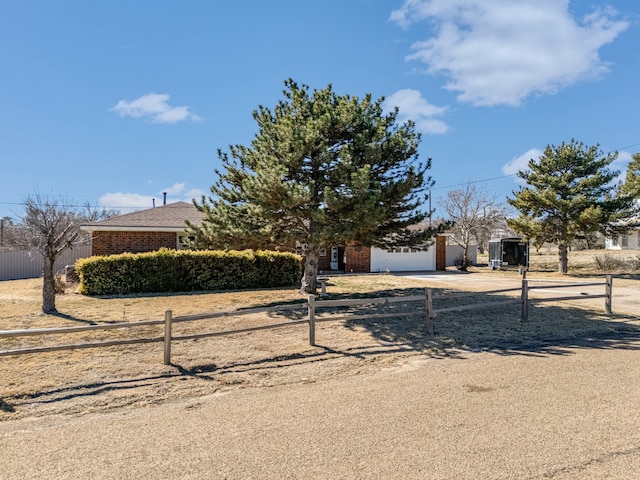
[(358, 259), (324, 262), (109, 243), (441, 252)]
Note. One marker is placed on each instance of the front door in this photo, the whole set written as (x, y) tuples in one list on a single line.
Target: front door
[(335, 258)]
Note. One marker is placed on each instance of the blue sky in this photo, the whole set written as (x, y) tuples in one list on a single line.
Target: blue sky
[(115, 102)]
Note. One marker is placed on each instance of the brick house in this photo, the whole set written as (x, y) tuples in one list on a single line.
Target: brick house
[(164, 227), (142, 231)]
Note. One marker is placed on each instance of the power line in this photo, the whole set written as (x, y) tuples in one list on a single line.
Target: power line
[(472, 181), (624, 148), (441, 187), (514, 174)]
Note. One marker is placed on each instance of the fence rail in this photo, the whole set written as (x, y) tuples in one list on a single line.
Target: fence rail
[(312, 305), (526, 287)]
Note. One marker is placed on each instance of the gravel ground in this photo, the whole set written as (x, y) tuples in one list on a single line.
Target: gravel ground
[(563, 413)]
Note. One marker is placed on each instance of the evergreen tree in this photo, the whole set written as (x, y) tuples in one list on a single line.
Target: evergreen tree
[(631, 184), (570, 193), (532, 230), (323, 169)]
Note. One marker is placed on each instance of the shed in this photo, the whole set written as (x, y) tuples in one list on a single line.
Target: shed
[(508, 252)]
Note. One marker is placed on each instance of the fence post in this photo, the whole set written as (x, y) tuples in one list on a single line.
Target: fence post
[(312, 320), (524, 311), (609, 293), (167, 337), (430, 315)]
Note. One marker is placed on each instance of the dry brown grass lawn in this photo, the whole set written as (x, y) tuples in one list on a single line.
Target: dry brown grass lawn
[(79, 381)]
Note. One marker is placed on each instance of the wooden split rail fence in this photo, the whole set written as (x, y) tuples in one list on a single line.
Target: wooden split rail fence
[(313, 305)]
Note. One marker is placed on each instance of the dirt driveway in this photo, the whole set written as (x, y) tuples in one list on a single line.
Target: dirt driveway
[(566, 413)]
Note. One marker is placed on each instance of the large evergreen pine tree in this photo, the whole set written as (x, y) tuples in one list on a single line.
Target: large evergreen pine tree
[(323, 169), (570, 193)]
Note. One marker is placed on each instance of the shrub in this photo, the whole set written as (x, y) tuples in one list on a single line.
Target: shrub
[(186, 270), (608, 263), (611, 263)]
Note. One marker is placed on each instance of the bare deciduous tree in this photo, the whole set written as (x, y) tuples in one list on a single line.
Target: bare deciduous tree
[(476, 215), (6, 231), (49, 226)]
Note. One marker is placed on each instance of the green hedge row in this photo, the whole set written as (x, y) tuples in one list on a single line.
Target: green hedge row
[(186, 270)]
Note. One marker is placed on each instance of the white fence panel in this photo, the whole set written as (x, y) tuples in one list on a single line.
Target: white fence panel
[(17, 265), (454, 253)]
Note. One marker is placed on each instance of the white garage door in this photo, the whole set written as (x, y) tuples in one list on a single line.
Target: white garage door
[(402, 260)]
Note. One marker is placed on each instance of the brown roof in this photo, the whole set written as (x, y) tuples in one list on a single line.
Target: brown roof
[(167, 218)]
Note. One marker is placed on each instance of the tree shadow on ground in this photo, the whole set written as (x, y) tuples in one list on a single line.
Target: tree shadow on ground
[(6, 407), (495, 326), (72, 318), (552, 329), (209, 372)]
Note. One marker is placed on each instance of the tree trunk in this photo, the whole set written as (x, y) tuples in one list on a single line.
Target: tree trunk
[(49, 287), (465, 259), (310, 271), (563, 258)]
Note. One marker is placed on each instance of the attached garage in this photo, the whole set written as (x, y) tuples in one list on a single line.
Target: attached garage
[(402, 259)]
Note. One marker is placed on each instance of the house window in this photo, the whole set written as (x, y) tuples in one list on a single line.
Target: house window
[(400, 250), (322, 252), (624, 241), (185, 241), (614, 241)]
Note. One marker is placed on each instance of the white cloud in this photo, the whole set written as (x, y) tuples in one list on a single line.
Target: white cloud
[(155, 108), (175, 189), (499, 52), (621, 162), (521, 163), (129, 202), (192, 193), (411, 106), (126, 202), (180, 192)]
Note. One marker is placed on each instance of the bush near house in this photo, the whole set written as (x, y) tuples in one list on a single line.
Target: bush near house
[(184, 270)]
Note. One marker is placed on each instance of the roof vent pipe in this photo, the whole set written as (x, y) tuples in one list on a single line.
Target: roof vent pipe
[(164, 196), (154, 202)]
